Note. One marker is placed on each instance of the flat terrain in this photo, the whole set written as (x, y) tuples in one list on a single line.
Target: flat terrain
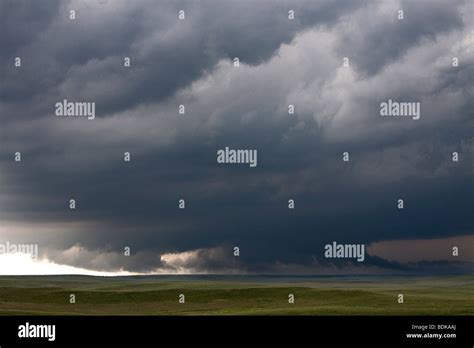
[(236, 295)]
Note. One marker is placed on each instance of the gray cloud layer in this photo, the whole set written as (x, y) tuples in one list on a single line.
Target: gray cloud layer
[(174, 156)]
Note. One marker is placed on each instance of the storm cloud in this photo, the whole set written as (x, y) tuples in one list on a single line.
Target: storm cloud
[(190, 62)]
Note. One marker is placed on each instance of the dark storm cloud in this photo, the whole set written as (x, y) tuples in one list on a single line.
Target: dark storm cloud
[(135, 204), (35, 18), (383, 38), (83, 59)]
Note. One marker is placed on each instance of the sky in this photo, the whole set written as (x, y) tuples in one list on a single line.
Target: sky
[(190, 62)]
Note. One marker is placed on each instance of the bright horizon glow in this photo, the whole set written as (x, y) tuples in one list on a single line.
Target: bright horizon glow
[(25, 264)]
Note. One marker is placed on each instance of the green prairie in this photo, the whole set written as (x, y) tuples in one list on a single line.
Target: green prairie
[(236, 295)]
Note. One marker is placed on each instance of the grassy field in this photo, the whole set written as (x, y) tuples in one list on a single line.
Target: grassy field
[(49, 295)]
